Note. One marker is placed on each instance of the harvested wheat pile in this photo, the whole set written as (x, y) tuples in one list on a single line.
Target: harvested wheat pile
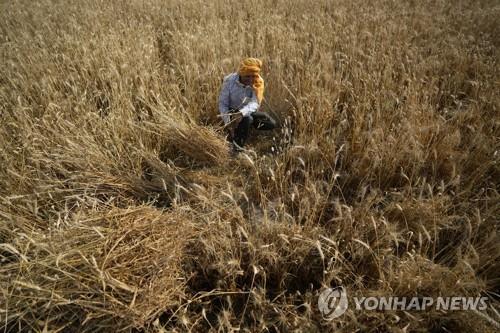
[(114, 270)]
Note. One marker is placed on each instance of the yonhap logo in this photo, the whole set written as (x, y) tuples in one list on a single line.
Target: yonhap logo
[(332, 302)]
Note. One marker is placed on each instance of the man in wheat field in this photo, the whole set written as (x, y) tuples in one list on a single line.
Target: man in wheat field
[(240, 98)]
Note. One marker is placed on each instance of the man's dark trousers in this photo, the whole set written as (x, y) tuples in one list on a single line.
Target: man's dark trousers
[(259, 120)]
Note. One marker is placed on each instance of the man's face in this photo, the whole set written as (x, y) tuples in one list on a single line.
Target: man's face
[(248, 80)]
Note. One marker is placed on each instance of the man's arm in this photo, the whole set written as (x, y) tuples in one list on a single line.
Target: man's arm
[(224, 101)]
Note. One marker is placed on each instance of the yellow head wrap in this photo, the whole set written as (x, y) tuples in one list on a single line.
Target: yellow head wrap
[(251, 66)]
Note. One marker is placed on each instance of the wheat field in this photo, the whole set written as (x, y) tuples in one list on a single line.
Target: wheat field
[(121, 208)]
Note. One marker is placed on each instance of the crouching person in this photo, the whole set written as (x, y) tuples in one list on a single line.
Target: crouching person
[(239, 101)]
